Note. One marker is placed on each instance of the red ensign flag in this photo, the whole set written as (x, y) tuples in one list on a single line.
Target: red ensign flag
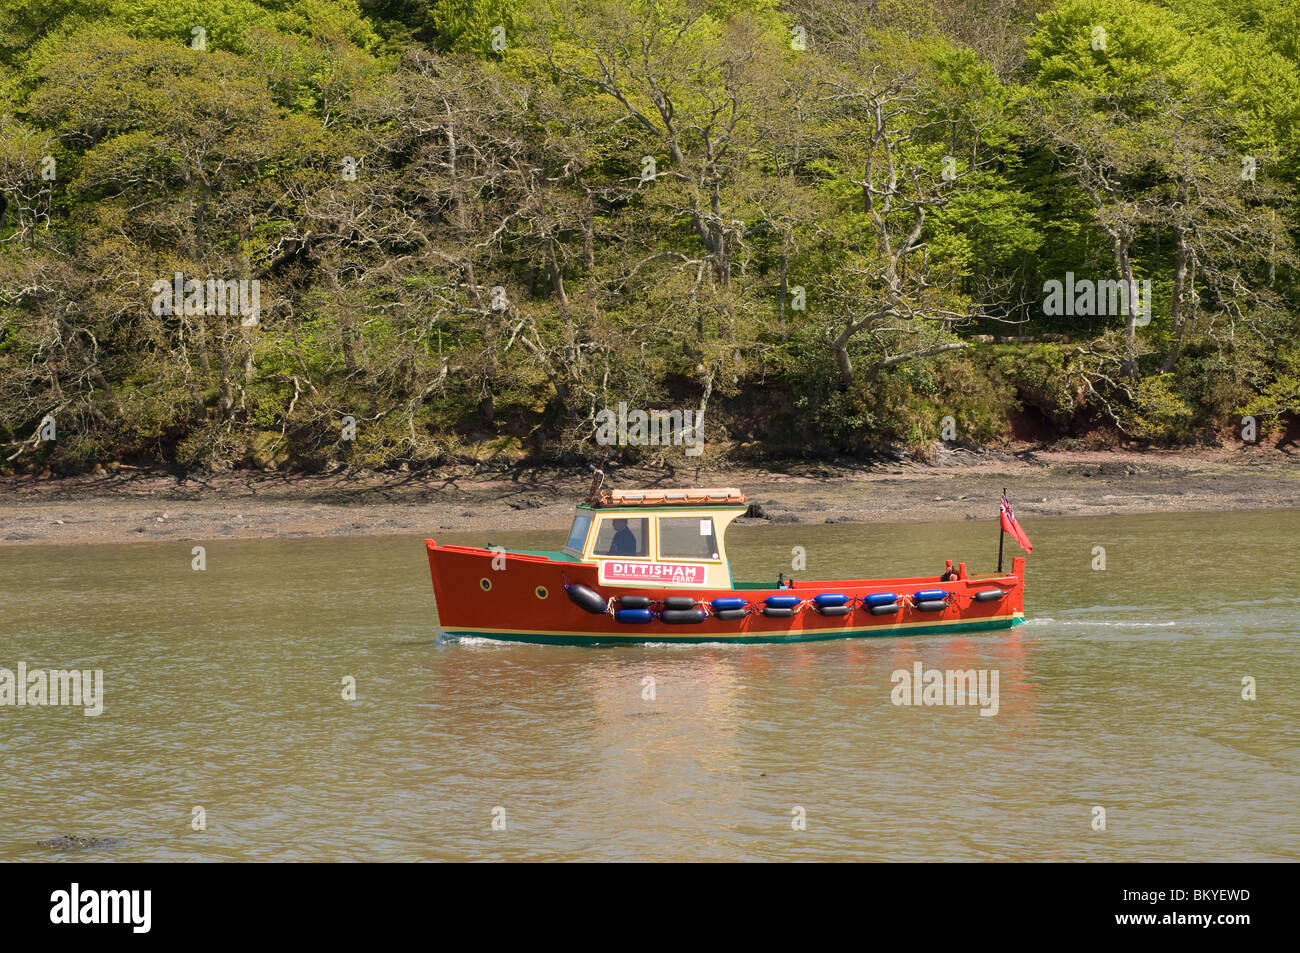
[(1012, 528)]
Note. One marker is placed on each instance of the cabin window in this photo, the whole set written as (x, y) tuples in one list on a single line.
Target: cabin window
[(687, 537), (623, 537), (578, 535)]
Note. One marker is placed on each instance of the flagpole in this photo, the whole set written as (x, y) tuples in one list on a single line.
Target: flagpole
[(1001, 533)]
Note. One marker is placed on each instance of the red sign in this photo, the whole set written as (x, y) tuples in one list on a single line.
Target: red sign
[(668, 574)]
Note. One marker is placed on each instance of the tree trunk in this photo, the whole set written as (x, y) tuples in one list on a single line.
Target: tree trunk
[(1130, 329), (887, 362), (841, 348), (1177, 313), (785, 284), (226, 401)]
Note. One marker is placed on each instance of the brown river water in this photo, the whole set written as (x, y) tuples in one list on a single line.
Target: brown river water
[(223, 690)]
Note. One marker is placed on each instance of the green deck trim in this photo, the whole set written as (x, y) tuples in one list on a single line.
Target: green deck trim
[(770, 638), (555, 555)]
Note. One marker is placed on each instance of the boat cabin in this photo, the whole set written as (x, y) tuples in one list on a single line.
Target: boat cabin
[(657, 538)]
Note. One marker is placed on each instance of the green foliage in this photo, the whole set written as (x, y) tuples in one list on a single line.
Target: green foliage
[(463, 249), (467, 26), (1280, 393), (1111, 47), (1158, 412), (1043, 376)]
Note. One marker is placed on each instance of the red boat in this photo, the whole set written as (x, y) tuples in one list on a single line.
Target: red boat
[(651, 566)]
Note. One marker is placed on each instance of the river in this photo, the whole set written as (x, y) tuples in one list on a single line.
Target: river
[(223, 690)]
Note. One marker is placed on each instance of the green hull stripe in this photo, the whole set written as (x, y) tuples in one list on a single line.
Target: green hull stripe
[(810, 636)]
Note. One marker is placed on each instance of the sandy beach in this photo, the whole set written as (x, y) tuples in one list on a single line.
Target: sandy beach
[(134, 505)]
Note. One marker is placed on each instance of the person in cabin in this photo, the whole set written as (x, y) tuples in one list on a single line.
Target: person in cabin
[(949, 573), (623, 543)]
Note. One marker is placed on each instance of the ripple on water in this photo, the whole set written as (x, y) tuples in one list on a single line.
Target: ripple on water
[(223, 691)]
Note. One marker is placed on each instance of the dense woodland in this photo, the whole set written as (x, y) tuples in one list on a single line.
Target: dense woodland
[(828, 224)]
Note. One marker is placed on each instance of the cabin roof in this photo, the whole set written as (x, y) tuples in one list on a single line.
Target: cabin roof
[(623, 499)]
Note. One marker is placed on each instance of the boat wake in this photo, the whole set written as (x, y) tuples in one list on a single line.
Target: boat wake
[(1039, 621), (473, 641)]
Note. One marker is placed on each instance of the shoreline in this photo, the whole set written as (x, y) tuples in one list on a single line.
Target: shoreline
[(139, 505)]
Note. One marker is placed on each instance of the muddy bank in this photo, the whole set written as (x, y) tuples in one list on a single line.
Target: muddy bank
[(134, 505)]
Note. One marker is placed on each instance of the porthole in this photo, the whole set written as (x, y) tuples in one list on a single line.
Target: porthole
[(485, 584), (541, 592)]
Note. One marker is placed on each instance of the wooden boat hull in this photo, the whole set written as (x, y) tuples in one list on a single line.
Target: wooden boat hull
[(521, 597)]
